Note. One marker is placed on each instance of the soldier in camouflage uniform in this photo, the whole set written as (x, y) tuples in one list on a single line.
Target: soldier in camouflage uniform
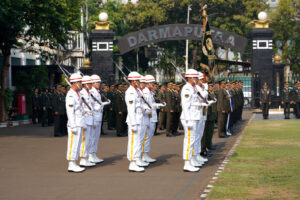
[(121, 111), (111, 115), (35, 106), (223, 107), (177, 108), (59, 109), (265, 100), (162, 111), (45, 105), (206, 141), (286, 98), (170, 100)]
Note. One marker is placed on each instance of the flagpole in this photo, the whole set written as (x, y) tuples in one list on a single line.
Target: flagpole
[(187, 41)]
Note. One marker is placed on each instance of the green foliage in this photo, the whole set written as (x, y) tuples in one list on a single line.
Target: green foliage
[(287, 32)]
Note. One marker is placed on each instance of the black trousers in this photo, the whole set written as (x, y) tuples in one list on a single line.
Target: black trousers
[(286, 107), (265, 110), (59, 125), (35, 116)]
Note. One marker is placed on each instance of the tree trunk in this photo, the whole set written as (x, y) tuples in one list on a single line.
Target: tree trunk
[(5, 69)]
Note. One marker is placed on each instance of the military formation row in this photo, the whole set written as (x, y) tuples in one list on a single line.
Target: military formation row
[(195, 106)]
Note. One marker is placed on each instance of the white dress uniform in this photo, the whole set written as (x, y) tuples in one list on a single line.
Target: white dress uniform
[(201, 124), (75, 125), (151, 118), (88, 117), (96, 129), (134, 120)]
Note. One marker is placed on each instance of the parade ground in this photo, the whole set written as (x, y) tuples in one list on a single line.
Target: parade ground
[(33, 166)]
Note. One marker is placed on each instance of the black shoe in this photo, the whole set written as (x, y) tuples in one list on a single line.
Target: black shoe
[(212, 147), (223, 136), (170, 135), (103, 133), (176, 133), (156, 133)]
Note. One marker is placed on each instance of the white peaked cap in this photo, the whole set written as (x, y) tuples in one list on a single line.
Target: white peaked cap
[(76, 77), (86, 79), (149, 79), (134, 76), (191, 73), (95, 78), (201, 76), (143, 80)]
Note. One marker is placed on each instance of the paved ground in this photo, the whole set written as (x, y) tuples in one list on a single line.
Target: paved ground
[(274, 114), (33, 166)]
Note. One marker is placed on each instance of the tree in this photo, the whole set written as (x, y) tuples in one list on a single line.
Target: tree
[(25, 23), (287, 32)]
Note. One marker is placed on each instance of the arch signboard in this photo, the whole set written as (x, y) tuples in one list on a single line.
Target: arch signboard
[(180, 32)]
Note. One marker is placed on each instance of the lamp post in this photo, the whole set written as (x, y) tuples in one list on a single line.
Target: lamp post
[(187, 41)]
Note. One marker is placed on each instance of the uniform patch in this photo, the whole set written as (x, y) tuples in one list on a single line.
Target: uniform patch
[(186, 96), (130, 102)]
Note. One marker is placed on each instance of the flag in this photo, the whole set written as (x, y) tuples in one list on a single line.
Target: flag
[(207, 53)]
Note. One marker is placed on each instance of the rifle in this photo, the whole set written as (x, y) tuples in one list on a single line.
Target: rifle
[(198, 93), (96, 99), (138, 92), (64, 71)]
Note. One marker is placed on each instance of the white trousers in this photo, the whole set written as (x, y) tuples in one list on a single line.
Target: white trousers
[(199, 135), (86, 142), (149, 132), (227, 123), (134, 143), (95, 136), (189, 139), (74, 143)]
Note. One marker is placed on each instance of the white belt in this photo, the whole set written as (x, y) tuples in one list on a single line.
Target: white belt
[(196, 107)]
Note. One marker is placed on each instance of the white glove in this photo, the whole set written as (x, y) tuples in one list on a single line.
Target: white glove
[(159, 105), (147, 111), (134, 128), (84, 126), (74, 130), (210, 102), (189, 125)]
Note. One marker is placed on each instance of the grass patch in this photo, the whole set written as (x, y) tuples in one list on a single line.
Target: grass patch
[(265, 165)]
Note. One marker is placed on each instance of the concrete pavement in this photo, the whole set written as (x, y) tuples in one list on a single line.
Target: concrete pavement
[(33, 166)]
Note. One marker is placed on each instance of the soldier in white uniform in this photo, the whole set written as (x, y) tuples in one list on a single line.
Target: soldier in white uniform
[(134, 120), (75, 122), (145, 120), (98, 106), (190, 117), (88, 116), (201, 125), (151, 118)]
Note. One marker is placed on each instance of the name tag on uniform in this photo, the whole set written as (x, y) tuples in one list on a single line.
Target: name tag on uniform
[(130, 102), (186, 96), (71, 106)]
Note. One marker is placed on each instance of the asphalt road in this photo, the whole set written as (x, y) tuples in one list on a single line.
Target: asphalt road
[(33, 167)]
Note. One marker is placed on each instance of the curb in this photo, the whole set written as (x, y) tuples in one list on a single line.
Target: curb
[(225, 161), (14, 123)]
